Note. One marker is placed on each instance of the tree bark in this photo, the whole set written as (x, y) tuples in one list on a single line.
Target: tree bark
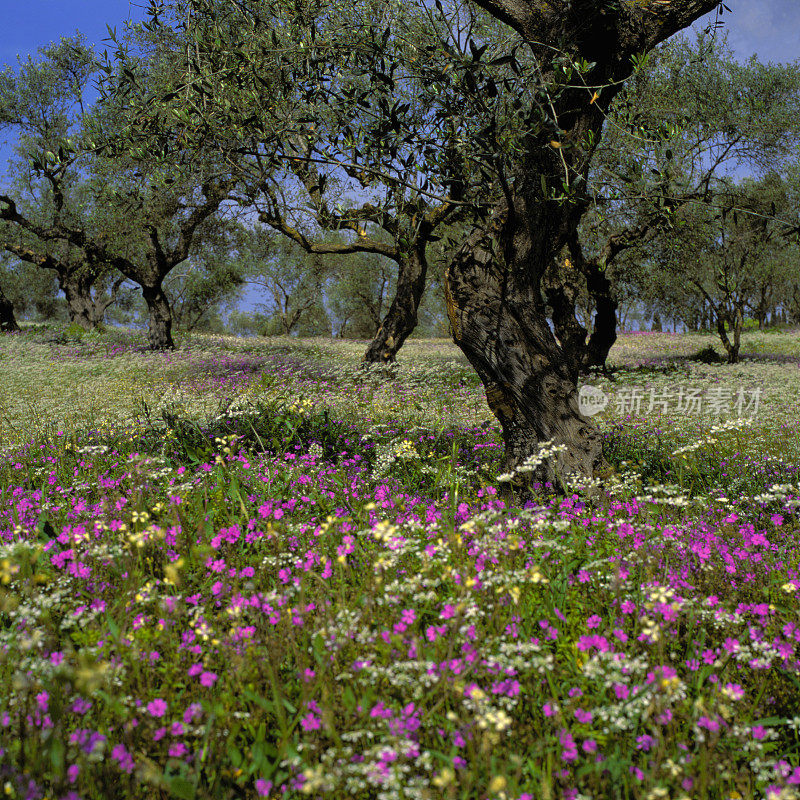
[(583, 354), (592, 354), (8, 321), (571, 334), (499, 321), (731, 347), (80, 303), (401, 318), (85, 309), (604, 332), (159, 324)]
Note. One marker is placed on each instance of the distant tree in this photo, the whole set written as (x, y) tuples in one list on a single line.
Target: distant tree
[(358, 289), (246, 323), (43, 103), (292, 278), (671, 135), (315, 322), (154, 218), (774, 275), (86, 210), (197, 295), (731, 255), (209, 281)]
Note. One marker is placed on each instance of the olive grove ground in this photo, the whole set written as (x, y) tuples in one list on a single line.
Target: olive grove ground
[(249, 568)]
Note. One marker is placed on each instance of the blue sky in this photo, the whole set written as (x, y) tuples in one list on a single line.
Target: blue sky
[(770, 28), (31, 24), (27, 25)]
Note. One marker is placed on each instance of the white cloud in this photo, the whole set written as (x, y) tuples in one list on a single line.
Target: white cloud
[(767, 27)]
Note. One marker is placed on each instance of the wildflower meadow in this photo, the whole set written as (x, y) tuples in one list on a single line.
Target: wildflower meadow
[(254, 568)]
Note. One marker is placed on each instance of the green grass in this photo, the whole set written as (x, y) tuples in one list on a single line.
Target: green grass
[(252, 568)]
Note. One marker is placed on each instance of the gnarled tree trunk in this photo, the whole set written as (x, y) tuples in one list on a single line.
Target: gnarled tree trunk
[(604, 331), (499, 321), (80, 303), (494, 294), (401, 319), (582, 354), (159, 323), (8, 321), (736, 322), (85, 309), (561, 291)]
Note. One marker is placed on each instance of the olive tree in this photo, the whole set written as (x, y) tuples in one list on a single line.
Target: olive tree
[(86, 210), (732, 255), (291, 278), (297, 168), (42, 102), (210, 280), (671, 136), (494, 281)]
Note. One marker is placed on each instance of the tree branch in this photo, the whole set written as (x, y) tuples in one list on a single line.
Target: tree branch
[(657, 20), (214, 194), (45, 261)]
